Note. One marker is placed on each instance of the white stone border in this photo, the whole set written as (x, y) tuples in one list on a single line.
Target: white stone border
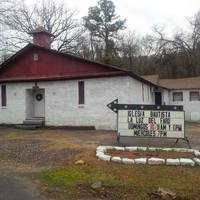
[(102, 150)]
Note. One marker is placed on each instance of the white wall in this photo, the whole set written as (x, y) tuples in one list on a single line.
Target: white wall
[(29, 103), (192, 108), (165, 97), (61, 101), (14, 112)]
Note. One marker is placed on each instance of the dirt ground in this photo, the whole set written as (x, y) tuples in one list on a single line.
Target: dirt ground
[(30, 151), (149, 154), (40, 148), (44, 148)]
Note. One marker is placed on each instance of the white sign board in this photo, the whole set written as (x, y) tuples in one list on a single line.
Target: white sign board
[(151, 123)]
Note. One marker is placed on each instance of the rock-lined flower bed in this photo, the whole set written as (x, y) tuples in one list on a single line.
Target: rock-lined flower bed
[(192, 160)]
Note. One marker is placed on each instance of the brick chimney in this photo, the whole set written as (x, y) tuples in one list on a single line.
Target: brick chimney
[(41, 37)]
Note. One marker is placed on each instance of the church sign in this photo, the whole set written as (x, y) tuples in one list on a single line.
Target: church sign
[(158, 121)]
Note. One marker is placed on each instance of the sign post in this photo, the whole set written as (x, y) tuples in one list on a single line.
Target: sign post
[(150, 121)]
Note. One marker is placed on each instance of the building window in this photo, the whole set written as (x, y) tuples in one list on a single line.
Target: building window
[(3, 95), (81, 92), (177, 96), (194, 96)]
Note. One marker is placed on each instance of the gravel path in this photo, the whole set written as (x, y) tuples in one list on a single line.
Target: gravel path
[(14, 187), (33, 152), (26, 152)]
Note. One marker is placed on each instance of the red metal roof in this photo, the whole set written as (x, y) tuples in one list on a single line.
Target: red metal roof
[(53, 65)]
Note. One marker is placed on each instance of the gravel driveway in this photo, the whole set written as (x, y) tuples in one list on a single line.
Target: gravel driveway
[(33, 152), (14, 187)]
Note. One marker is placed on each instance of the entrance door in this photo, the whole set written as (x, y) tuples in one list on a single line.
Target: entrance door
[(158, 98), (39, 103)]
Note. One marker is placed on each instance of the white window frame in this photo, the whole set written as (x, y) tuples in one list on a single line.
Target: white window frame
[(194, 99), (175, 93)]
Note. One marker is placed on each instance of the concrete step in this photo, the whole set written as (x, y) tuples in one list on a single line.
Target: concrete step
[(28, 127), (36, 118), (33, 121)]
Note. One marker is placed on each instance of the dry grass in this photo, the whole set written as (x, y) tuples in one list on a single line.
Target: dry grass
[(124, 181), (149, 154)]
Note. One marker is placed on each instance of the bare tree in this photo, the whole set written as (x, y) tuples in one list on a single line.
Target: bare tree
[(85, 48), (183, 49), (55, 17), (130, 48), (5, 5)]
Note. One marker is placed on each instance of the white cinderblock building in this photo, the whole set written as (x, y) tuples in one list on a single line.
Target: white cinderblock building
[(63, 90)]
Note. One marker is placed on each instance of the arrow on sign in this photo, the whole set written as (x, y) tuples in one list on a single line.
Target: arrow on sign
[(114, 106)]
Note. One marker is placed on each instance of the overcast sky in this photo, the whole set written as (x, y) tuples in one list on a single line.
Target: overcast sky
[(141, 15)]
